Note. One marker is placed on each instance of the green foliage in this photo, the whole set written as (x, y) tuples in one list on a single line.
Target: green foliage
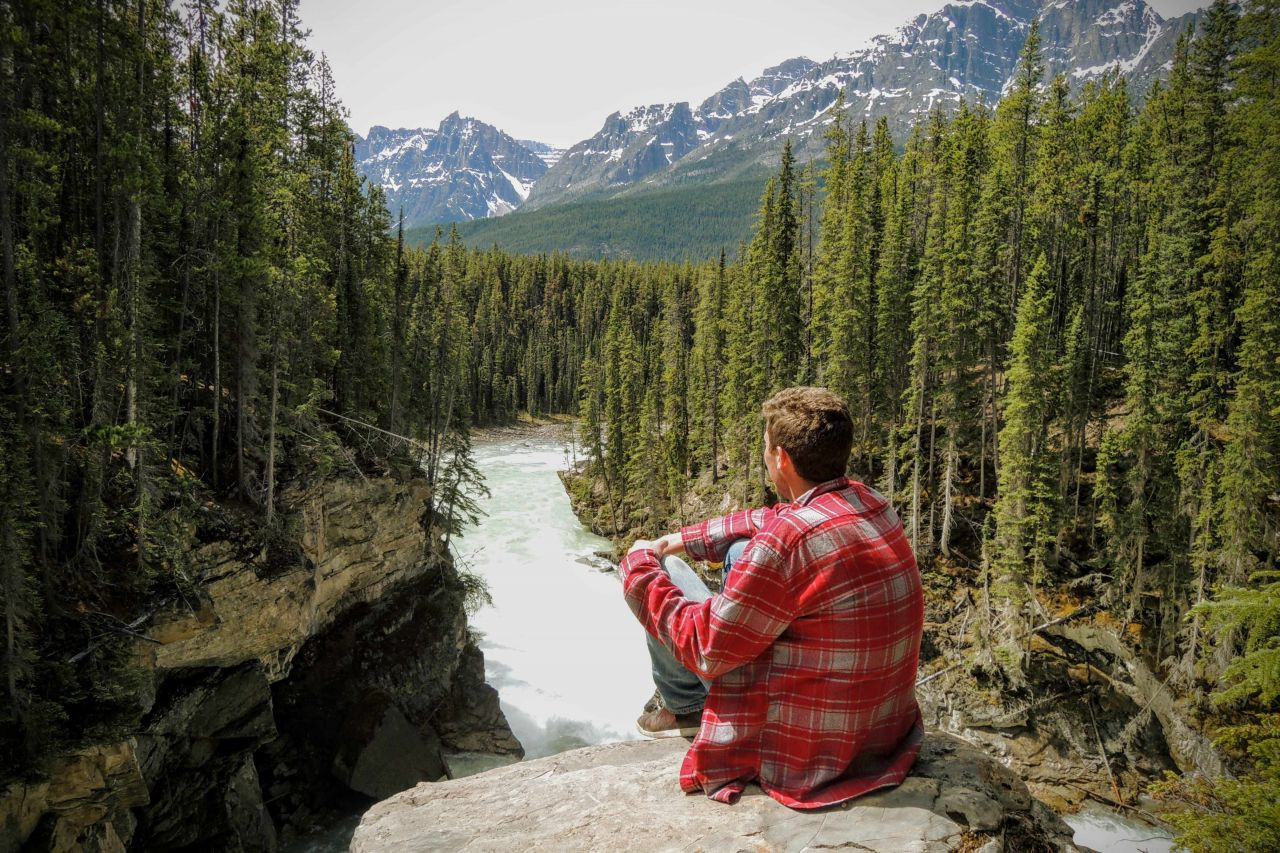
[(1236, 815), (202, 303), (475, 592), (687, 222), (1024, 508)]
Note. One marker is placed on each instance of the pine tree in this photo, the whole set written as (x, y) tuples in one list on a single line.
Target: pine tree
[(960, 306), (782, 284), (828, 258), (674, 343), (898, 268), (1251, 458), (707, 360), (919, 424)]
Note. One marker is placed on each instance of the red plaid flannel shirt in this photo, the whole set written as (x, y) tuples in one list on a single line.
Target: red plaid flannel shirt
[(811, 647)]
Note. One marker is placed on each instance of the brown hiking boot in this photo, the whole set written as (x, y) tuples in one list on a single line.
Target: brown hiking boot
[(663, 723)]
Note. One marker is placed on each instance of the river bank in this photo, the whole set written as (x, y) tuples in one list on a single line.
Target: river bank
[(562, 428)]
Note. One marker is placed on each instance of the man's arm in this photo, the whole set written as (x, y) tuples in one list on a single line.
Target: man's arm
[(712, 538), (722, 633)]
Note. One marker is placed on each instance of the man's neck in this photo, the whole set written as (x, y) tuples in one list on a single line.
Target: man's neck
[(794, 487)]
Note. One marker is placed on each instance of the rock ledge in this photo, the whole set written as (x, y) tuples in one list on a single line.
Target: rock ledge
[(626, 796)]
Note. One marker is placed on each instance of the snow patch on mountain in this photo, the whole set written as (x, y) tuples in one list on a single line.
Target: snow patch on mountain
[(463, 169), (966, 50)]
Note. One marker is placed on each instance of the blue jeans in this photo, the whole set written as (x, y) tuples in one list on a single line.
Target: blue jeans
[(684, 692)]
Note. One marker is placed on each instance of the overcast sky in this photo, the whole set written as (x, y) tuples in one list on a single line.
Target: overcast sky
[(552, 70)]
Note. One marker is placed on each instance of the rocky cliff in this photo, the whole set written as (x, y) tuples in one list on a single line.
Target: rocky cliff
[(625, 796), (301, 678)]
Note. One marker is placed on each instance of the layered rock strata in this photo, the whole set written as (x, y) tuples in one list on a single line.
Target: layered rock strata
[(343, 670)]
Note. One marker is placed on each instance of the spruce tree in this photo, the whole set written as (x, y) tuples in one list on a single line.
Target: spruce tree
[(1024, 508)]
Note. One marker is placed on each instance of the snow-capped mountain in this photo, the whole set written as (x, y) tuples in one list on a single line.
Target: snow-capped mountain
[(628, 148), (966, 50), (549, 154), (464, 169)]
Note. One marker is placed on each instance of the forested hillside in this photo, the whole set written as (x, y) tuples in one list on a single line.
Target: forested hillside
[(673, 224), (1058, 327), (202, 302), (1057, 323)]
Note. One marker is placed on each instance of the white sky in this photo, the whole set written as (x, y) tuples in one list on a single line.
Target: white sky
[(552, 70)]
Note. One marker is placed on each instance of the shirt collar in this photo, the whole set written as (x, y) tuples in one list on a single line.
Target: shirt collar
[(820, 489)]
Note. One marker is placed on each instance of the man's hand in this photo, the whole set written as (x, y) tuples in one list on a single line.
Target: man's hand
[(641, 544), (672, 543)]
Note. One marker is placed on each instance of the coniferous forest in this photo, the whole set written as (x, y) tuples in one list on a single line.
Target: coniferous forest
[(1057, 321)]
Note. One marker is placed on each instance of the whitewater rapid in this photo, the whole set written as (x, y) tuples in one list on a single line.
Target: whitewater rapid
[(565, 654)]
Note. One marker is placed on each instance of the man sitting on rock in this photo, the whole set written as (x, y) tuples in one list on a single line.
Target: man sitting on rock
[(800, 674)]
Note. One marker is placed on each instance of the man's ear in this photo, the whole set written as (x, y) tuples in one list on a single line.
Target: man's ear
[(785, 462)]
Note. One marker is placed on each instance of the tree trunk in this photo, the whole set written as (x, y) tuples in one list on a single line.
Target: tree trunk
[(982, 450), (915, 476), (271, 429), (929, 478), (890, 481), (95, 463), (948, 479), (12, 575), (397, 332), (216, 405), (133, 283)]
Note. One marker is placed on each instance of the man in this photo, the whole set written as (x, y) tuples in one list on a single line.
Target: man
[(811, 648)]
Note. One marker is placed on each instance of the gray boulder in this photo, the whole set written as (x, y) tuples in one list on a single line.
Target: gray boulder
[(626, 796)]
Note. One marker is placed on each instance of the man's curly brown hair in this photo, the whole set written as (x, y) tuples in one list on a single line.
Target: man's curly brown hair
[(814, 427)]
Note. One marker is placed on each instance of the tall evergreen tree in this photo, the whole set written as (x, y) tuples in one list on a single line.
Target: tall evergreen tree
[(1024, 509)]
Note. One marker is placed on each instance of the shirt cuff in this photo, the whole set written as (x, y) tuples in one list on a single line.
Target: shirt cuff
[(694, 541), (637, 559)]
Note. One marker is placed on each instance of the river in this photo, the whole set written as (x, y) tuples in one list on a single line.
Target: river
[(565, 654)]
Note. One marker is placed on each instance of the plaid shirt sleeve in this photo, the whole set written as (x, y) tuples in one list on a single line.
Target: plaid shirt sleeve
[(710, 539), (727, 630)]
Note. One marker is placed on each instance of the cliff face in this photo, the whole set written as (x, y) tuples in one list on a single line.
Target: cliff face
[(344, 670)]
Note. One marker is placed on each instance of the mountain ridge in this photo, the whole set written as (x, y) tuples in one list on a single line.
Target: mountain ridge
[(966, 50)]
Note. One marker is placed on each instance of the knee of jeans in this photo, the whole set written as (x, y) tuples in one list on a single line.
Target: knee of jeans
[(672, 560), (734, 553)]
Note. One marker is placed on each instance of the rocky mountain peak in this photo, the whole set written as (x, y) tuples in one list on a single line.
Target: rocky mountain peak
[(463, 169), (965, 50), (548, 153)]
